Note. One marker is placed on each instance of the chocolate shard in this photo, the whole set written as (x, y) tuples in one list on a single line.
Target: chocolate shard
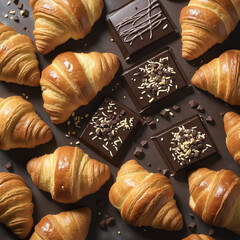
[(222, 114), (210, 120), (211, 231), (191, 215), (148, 119), (149, 164), (138, 153), (176, 108), (200, 108), (159, 169), (20, 5), (25, 13), (193, 104), (144, 143), (9, 166), (16, 18), (110, 221), (15, 1), (152, 125), (165, 172), (164, 113), (192, 226)]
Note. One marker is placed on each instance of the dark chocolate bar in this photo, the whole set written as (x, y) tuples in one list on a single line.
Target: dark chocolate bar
[(156, 82), (139, 24), (111, 129), (184, 144)]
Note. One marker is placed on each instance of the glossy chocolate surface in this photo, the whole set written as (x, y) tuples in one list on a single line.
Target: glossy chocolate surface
[(139, 24), (111, 129), (156, 82), (193, 138)]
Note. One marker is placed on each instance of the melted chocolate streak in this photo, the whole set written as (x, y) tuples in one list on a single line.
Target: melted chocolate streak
[(139, 25)]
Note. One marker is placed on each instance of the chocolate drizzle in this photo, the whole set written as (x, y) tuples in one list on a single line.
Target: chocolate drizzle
[(141, 22)]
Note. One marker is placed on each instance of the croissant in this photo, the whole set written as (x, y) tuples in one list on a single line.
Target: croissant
[(57, 21), (145, 199), (221, 76), (73, 80), (20, 126), (68, 225), (232, 128), (16, 207), (215, 197), (205, 23), (18, 62), (68, 174), (198, 237)]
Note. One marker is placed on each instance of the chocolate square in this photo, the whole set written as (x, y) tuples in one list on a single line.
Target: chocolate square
[(111, 129), (139, 24), (184, 144), (156, 82)]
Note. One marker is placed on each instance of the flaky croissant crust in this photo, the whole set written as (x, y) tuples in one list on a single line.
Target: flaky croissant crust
[(73, 80), (215, 197), (145, 199), (198, 237), (67, 225), (68, 174)]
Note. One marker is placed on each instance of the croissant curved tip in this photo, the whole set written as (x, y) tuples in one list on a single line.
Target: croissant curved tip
[(229, 115), (187, 55)]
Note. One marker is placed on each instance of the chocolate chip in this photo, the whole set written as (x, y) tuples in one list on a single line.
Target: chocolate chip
[(165, 172), (222, 114), (20, 5), (16, 18), (9, 166), (191, 226), (25, 28), (25, 13), (210, 120), (191, 215), (211, 231), (144, 143), (159, 169), (102, 224), (148, 119), (15, 1), (152, 125), (149, 164), (110, 221), (176, 108), (138, 152), (200, 108), (193, 104), (164, 113)]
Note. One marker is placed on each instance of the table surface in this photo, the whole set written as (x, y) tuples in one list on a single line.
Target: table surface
[(100, 40)]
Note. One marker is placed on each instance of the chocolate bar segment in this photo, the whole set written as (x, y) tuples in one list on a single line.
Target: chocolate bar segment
[(184, 144), (156, 82), (111, 129), (139, 24)]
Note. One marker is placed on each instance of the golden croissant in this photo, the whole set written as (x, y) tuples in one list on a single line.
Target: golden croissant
[(198, 237), (68, 174), (205, 23), (73, 80), (67, 225), (16, 207), (20, 126), (57, 21), (232, 128), (220, 77), (18, 62), (215, 197), (145, 199)]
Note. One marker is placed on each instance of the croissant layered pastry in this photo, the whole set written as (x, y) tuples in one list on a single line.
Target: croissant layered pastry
[(20, 126), (145, 199), (67, 225), (205, 23), (18, 62), (73, 80), (16, 207), (68, 174), (57, 21), (232, 128), (215, 197), (221, 77), (198, 237)]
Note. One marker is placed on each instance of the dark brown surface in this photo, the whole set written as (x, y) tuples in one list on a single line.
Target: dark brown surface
[(100, 40)]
